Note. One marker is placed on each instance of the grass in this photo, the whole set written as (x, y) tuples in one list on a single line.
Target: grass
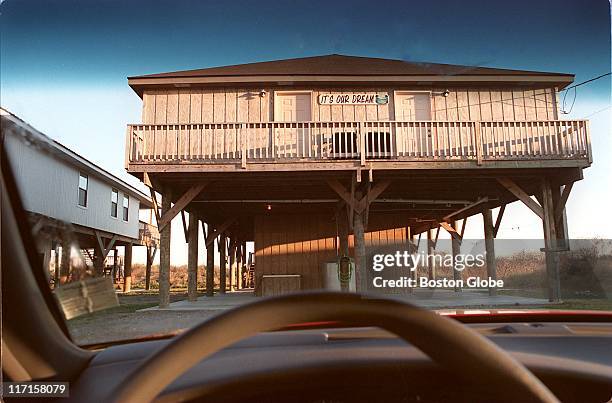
[(583, 304)]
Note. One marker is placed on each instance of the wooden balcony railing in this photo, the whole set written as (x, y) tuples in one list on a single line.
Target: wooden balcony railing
[(148, 234), (395, 140)]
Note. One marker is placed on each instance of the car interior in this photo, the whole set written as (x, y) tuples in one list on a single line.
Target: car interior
[(307, 347)]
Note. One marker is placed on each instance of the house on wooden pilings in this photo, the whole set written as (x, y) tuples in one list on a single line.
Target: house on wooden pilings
[(308, 157)]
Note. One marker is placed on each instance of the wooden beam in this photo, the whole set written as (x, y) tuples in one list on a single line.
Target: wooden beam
[(214, 232), (560, 207), (522, 196), (180, 204), (104, 249), (500, 214), (155, 205), (466, 208), (341, 191), (185, 227), (451, 230), (463, 225)]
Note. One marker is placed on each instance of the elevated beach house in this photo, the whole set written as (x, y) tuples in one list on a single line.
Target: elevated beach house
[(319, 158)]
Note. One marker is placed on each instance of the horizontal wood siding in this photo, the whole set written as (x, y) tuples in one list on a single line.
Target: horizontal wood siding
[(246, 105), (300, 244)]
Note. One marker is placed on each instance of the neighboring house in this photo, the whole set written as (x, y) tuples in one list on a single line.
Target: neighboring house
[(282, 152), (72, 201)]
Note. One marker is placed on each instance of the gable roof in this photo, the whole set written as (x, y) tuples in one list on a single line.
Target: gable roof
[(344, 69)]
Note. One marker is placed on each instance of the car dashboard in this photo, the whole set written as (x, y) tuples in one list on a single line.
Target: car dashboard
[(367, 364)]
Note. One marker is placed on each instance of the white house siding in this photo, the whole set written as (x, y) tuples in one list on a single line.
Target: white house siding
[(197, 105), (49, 186)]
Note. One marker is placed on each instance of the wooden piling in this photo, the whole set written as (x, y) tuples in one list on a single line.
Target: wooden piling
[(551, 243), (360, 253), (164, 256), (192, 258), (456, 250), (487, 218), (222, 266), (210, 267), (127, 267)]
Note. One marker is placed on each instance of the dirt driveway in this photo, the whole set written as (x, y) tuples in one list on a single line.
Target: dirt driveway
[(124, 322)]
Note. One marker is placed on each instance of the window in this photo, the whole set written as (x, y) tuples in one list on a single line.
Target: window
[(114, 202), (83, 185), (126, 207)]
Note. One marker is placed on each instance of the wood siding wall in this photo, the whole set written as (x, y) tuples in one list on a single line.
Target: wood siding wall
[(49, 186), (300, 244), (244, 105)]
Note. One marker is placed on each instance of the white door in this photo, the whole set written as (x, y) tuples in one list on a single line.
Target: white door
[(292, 135), (412, 139)]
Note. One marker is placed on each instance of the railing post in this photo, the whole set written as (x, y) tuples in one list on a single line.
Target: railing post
[(362, 143), (478, 142), (587, 130), (243, 146), (128, 146)]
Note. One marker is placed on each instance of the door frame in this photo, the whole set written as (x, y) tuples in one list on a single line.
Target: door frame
[(404, 92), (278, 94)]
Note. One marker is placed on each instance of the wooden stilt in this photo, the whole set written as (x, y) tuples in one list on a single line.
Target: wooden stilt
[(456, 250), (343, 249), (231, 266), (551, 243), (238, 266), (431, 266), (411, 249), (487, 218), (57, 264), (65, 264), (360, 252), (151, 251), (164, 256), (222, 264), (127, 267), (210, 266), (192, 258)]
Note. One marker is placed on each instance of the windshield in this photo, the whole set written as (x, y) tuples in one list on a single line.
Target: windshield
[(257, 162)]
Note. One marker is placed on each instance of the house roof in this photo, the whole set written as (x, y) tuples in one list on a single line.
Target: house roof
[(341, 68), (60, 151)]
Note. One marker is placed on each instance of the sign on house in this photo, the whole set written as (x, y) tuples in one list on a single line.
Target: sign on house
[(362, 98)]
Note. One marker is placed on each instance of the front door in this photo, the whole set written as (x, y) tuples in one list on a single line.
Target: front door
[(412, 138), (292, 135)]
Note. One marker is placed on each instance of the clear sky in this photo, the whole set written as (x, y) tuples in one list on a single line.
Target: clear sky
[(63, 64)]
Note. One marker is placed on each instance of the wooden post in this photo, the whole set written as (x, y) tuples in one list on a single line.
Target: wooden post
[(412, 248), (150, 255), (192, 258), (550, 243), (57, 263), (65, 264), (115, 274), (487, 219), (210, 267), (360, 253), (232, 261), (127, 267), (456, 250), (238, 265), (343, 245), (431, 264), (222, 267), (164, 256), (245, 263)]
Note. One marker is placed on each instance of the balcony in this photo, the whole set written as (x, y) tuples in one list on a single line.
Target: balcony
[(204, 146), (148, 234)]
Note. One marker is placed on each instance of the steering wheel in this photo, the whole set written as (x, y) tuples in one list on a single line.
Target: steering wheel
[(444, 340)]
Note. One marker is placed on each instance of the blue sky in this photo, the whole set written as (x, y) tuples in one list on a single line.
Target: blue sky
[(63, 64)]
